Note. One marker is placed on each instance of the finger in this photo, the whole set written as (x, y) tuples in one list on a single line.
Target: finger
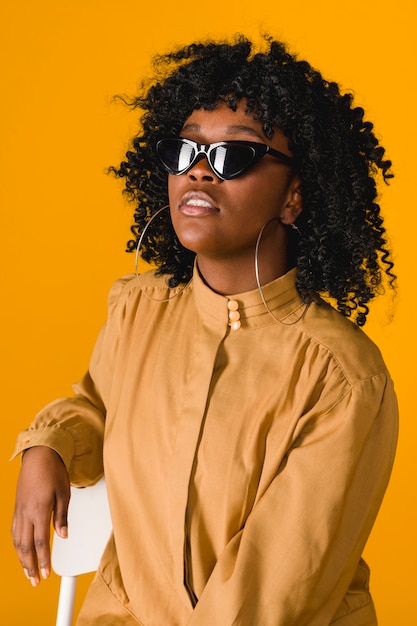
[(32, 579), (42, 549), (17, 543), (61, 514), (25, 548)]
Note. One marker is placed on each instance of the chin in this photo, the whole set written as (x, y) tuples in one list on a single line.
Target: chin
[(197, 240)]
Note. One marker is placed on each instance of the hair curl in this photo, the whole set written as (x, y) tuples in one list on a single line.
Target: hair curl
[(342, 253)]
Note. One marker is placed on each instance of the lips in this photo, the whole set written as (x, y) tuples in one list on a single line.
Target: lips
[(197, 204)]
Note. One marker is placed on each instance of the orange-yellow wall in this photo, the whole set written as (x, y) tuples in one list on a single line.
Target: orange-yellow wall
[(64, 223)]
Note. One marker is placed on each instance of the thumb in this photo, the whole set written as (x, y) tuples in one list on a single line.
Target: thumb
[(61, 517)]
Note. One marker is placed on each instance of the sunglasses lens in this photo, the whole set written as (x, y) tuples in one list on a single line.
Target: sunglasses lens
[(227, 160), (231, 160), (175, 154)]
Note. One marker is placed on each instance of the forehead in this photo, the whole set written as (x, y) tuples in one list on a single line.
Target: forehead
[(223, 123), (223, 118)]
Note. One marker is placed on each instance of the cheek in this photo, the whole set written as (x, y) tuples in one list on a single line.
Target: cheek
[(267, 183), (260, 201)]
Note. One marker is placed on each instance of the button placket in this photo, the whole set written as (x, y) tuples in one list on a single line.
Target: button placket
[(234, 315)]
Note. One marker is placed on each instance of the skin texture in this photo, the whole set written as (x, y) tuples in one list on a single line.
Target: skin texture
[(223, 232), (43, 491), (342, 253)]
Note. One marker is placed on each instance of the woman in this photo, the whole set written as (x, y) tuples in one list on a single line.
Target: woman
[(247, 428)]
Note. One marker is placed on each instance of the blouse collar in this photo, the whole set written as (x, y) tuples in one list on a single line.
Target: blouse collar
[(281, 296)]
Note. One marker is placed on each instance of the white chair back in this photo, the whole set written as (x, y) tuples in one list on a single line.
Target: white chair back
[(89, 528)]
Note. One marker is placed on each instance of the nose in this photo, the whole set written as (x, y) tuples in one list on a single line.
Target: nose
[(202, 171)]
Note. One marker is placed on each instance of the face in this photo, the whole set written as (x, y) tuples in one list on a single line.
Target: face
[(221, 220)]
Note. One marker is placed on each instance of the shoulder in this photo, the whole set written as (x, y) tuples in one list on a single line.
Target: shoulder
[(132, 285), (354, 352), (128, 290)]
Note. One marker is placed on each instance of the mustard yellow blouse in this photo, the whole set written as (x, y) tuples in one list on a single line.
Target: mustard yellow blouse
[(244, 467)]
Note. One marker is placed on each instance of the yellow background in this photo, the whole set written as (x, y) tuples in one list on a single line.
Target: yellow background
[(64, 223)]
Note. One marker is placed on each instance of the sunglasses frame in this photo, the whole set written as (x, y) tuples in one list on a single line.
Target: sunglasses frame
[(258, 149)]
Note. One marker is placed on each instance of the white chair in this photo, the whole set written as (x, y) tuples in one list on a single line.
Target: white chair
[(89, 528)]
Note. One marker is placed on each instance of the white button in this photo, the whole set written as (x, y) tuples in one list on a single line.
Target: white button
[(232, 305), (234, 315)]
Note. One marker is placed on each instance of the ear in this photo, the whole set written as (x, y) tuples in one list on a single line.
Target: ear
[(294, 205)]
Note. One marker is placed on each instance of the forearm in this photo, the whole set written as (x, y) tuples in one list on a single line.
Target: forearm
[(74, 428)]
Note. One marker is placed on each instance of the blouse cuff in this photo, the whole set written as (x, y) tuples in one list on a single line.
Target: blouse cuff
[(53, 437)]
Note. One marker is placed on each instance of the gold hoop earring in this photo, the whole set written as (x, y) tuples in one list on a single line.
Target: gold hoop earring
[(142, 235), (258, 281)]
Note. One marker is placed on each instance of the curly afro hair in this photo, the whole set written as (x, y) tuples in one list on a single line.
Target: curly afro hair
[(341, 254)]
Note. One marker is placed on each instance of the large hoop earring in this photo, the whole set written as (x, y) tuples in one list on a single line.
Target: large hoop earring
[(258, 281), (142, 235)]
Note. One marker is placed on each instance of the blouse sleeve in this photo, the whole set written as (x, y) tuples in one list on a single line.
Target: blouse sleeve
[(293, 561), (74, 427)]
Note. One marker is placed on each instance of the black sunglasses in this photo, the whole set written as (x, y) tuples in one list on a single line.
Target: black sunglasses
[(227, 159)]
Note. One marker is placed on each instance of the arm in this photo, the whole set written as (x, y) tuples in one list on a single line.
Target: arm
[(294, 559), (74, 429), (63, 444), (34, 508)]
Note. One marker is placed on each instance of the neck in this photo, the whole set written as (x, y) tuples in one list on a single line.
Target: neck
[(228, 277)]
